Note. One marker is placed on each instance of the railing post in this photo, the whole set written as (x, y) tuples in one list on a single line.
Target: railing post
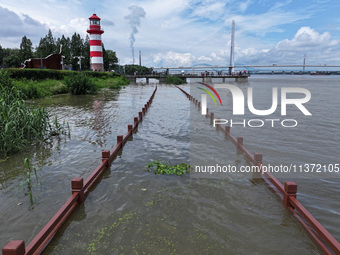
[(78, 187), (14, 247), (290, 191), (227, 130), (129, 128), (119, 139), (239, 141), (106, 156), (140, 114), (258, 159), (212, 117)]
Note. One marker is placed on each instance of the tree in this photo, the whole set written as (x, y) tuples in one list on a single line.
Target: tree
[(131, 69), (77, 45), (110, 59), (11, 58), (86, 53), (25, 49), (47, 45)]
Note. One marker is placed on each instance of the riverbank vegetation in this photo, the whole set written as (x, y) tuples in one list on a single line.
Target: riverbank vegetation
[(35, 83), (20, 123), (174, 80)]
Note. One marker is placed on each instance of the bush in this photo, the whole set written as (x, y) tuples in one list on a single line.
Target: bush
[(58, 88), (80, 84), (174, 80)]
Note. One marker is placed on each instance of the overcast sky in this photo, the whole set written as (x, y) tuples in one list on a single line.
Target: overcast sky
[(187, 32)]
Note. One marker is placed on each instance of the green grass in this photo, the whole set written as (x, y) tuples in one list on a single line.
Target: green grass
[(45, 88), (112, 83), (39, 89)]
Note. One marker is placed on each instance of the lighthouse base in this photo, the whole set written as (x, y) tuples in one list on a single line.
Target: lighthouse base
[(97, 67)]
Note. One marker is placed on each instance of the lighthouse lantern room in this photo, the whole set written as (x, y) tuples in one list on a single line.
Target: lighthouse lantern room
[(96, 49)]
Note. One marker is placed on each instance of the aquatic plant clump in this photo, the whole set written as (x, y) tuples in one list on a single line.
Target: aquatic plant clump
[(166, 168), (19, 123), (28, 180)]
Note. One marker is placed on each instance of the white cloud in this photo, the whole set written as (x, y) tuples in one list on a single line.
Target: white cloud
[(244, 5), (209, 9), (15, 26), (171, 58), (320, 49), (307, 39), (76, 25)]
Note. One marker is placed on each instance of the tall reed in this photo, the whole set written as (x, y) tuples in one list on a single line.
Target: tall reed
[(19, 123)]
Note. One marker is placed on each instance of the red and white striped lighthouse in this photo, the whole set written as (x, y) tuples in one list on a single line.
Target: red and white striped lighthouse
[(96, 49)]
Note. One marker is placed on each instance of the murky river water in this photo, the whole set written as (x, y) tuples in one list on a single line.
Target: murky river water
[(134, 211)]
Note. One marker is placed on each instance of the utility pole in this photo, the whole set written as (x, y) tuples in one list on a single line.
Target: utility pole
[(231, 65), (140, 58), (41, 60), (79, 62)]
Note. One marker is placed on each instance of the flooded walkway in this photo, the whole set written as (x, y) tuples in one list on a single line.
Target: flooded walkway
[(132, 210)]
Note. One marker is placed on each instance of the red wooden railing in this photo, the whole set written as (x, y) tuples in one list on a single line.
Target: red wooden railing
[(287, 192)]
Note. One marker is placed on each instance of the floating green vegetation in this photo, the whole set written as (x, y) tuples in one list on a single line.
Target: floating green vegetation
[(165, 168)]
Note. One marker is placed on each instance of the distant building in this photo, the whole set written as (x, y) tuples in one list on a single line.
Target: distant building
[(52, 61)]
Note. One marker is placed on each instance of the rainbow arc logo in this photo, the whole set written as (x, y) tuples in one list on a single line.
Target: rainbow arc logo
[(204, 97)]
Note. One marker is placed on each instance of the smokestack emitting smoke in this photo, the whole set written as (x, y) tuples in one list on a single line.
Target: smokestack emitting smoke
[(134, 20)]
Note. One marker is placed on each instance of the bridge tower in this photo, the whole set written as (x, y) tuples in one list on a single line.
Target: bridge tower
[(96, 48), (232, 42)]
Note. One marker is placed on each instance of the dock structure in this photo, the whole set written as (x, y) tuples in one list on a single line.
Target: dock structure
[(205, 78)]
